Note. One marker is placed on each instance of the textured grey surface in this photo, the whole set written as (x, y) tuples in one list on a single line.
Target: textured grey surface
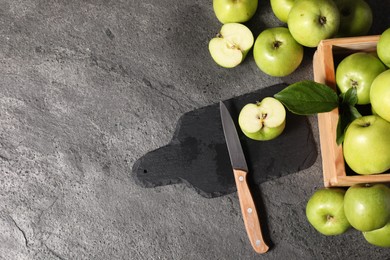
[(86, 88)]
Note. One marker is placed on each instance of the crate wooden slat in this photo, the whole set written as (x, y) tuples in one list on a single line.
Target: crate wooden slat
[(333, 165)]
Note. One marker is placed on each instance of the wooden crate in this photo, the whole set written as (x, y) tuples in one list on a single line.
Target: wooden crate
[(324, 60)]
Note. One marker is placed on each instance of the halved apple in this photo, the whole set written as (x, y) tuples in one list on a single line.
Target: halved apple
[(230, 46), (264, 120)]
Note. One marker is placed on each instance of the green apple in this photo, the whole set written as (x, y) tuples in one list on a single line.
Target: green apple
[(355, 17), (234, 11), (366, 145), (358, 70), (373, 111), (276, 52), (281, 8), (379, 237), (380, 95), (325, 211), (382, 47), (367, 206), (311, 21), (231, 45), (264, 120)]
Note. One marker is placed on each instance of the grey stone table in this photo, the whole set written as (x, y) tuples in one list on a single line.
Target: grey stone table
[(86, 88)]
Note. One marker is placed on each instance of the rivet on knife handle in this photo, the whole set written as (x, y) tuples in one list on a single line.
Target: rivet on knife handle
[(249, 213)]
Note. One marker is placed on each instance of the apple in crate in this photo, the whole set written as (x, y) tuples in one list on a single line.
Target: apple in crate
[(380, 95), (233, 11), (382, 47), (366, 146), (264, 120), (231, 45), (379, 237), (276, 52), (311, 21), (358, 70), (355, 17), (281, 8), (367, 207), (325, 211)]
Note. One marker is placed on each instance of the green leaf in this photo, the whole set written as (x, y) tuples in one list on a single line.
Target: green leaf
[(347, 113), (308, 97), (354, 113), (342, 125), (350, 97)]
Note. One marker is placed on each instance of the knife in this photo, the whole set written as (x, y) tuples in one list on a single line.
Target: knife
[(240, 170)]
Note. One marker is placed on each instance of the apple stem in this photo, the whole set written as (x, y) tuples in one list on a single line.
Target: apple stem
[(277, 44), (354, 83), (329, 217), (322, 20)]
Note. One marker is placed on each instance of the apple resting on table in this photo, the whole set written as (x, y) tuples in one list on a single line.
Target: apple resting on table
[(367, 207), (276, 52), (380, 95), (264, 120), (231, 45), (281, 8), (366, 146), (234, 11), (325, 211), (355, 17), (358, 70), (379, 237), (311, 21)]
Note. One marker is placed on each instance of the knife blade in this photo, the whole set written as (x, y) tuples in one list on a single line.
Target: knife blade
[(240, 171)]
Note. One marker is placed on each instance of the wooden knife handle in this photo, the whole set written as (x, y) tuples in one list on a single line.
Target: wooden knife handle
[(249, 213)]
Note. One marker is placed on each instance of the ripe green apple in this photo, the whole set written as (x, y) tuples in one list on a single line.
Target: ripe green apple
[(358, 70), (355, 17), (234, 11), (281, 8), (264, 120), (373, 111), (325, 211), (367, 206), (366, 146), (379, 237), (380, 95), (231, 45), (382, 47), (311, 21), (276, 52)]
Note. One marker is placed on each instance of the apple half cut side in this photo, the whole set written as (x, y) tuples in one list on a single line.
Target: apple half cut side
[(264, 120), (231, 45)]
